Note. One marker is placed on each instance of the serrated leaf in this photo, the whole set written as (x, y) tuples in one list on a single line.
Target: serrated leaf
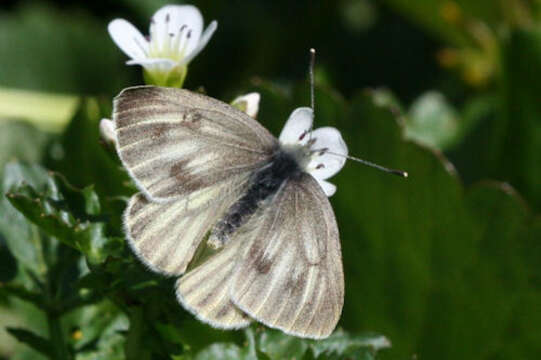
[(66, 213)]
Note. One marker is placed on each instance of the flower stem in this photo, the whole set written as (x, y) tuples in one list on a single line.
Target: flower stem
[(56, 337)]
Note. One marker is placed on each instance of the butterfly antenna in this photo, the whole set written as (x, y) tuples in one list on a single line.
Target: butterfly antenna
[(312, 96), (311, 73), (371, 164)]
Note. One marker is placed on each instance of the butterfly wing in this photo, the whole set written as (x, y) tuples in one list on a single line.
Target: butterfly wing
[(204, 290), (176, 143), (165, 236), (191, 157), (290, 277)]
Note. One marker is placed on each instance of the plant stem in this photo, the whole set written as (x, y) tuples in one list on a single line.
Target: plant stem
[(56, 337)]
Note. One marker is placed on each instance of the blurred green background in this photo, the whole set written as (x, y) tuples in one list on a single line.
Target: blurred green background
[(445, 264)]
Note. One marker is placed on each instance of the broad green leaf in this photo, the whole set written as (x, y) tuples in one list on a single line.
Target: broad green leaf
[(55, 49), (20, 141), (21, 237), (516, 154), (420, 266), (49, 112)]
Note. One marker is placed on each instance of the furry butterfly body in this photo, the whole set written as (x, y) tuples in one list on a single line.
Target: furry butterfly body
[(212, 177)]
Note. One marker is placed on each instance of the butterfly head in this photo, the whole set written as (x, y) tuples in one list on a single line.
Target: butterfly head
[(321, 152)]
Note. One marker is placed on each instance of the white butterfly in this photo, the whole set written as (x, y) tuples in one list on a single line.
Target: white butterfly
[(242, 216)]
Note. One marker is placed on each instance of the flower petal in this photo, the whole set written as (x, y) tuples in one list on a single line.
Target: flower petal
[(299, 122), (107, 131), (328, 188), (202, 42), (170, 18), (128, 39), (162, 65), (333, 153), (248, 103)]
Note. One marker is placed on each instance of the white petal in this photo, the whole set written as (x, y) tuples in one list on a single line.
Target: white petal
[(328, 188), (163, 65), (299, 122), (128, 39), (170, 18), (251, 103), (202, 42), (107, 131), (334, 157)]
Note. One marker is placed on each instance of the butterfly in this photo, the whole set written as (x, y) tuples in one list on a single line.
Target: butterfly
[(241, 218)]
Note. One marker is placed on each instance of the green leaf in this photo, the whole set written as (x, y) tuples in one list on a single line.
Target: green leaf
[(229, 351), (36, 342), (428, 263), (84, 162), (20, 141), (221, 351), (516, 151), (21, 237), (81, 50), (433, 122), (68, 214), (277, 345), (342, 345), (22, 293), (8, 263)]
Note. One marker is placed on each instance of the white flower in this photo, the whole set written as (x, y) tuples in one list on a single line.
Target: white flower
[(176, 36), (321, 152), (248, 103)]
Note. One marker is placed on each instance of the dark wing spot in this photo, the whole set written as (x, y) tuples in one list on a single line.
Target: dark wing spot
[(159, 129), (192, 120), (262, 265), (295, 284), (185, 178)]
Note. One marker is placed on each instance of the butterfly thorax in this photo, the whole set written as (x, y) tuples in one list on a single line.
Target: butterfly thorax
[(262, 186)]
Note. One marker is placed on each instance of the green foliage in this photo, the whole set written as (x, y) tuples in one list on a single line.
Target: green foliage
[(55, 51), (98, 301), (444, 264)]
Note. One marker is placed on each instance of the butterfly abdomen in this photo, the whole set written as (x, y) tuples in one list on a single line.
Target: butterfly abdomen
[(263, 184)]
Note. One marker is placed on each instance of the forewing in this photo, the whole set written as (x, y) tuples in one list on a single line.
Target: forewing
[(165, 236), (174, 142), (204, 290), (290, 276)]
